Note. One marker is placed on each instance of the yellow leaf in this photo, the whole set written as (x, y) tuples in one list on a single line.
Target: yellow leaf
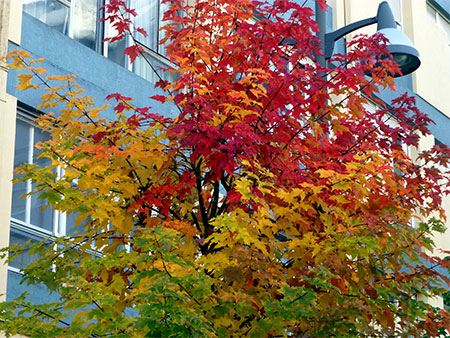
[(25, 82), (339, 199)]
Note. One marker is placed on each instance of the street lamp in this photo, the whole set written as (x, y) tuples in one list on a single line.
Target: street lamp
[(400, 46)]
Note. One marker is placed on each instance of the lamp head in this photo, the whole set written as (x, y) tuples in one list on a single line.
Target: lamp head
[(400, 46)]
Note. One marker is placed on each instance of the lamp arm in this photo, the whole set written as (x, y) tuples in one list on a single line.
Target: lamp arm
[(332, 37)]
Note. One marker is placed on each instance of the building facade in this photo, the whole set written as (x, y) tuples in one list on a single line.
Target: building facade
[(70, 37), (427, 24)]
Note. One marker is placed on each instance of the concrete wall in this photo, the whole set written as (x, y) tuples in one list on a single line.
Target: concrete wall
[(432, 79), (96, 74)]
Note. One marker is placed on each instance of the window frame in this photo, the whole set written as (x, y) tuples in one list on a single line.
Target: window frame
[(103, 30), (58, 222), (439, 19), (59, 218)]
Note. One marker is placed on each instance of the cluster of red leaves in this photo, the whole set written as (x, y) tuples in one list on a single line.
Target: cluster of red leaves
[(120, 16)]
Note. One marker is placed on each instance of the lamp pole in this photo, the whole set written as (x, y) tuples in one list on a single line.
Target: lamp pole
[(322, 23)]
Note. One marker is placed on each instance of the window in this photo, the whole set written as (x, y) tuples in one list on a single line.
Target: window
[(142, 68), (80, 20), (440, 20), (28, 210), (28, 220), (54, 13), (86, 26), (150, 15)]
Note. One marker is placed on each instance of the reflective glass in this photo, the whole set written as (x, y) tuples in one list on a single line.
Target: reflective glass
[(115, 52), (70, 224), (39, 137), (116, 48), (21, 153), (142, 68), (85, 22), (148, 19), (39, 217), (52, 12)]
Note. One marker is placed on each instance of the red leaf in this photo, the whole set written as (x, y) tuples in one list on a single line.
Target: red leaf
[(133, 52), (159, 98), (142, 31)]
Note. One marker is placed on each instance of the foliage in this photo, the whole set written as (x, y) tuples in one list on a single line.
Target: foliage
[(277, 203)]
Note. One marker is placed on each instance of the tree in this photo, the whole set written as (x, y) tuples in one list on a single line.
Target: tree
[(275, 204)]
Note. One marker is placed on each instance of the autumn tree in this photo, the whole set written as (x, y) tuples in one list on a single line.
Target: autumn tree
[(276, 204)]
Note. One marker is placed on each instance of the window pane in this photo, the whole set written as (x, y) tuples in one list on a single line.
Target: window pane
[(142, 68), (70, 223), (148, 19), (21, 153), (85, 22), (18, 209), (40, 218), (52, 12), (162, 9), (115, 52), (22, 140), (39, 137), (116, 48), (43, 219)]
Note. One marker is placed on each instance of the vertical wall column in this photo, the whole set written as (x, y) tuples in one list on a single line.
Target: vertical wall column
[(10, 24)]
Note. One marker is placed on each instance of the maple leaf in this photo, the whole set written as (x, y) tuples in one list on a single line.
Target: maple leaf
[(160, 98), (133, 52)]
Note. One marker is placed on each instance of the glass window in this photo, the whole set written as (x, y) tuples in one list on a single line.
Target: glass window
[(28, 219), (21, 155), (29, 209), (114, 50), (150, 18), (142, 68), (52, 12), (80, 19), (85, 23)]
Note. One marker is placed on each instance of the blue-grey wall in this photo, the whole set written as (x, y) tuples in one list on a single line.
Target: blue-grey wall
[(96, 74), (439, 128)]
